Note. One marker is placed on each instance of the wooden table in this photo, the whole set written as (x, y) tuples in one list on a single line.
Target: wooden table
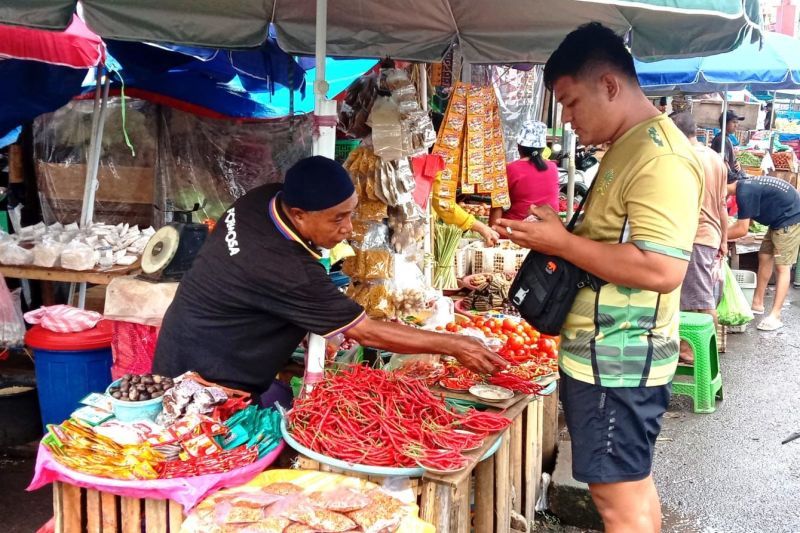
[(94, 276)]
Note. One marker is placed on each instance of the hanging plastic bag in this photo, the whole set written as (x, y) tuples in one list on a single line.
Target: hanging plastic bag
[(12, 326), (733, 309)]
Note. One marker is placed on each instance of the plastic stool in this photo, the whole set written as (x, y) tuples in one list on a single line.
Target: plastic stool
[(698, 330)]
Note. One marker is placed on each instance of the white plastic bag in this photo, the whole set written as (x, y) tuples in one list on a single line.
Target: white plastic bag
[(12, 326), (47, 253), (13, 254), (78, 256)]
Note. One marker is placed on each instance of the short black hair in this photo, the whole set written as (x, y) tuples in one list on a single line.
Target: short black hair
[(589, 46), (685, 122)]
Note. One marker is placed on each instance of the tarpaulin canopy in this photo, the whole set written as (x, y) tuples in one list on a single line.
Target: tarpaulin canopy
[(226, 84), (42, 70), (499, 31), (773, 66)]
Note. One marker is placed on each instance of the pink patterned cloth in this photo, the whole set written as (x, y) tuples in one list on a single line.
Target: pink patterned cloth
[(63, 318), (187, 491)]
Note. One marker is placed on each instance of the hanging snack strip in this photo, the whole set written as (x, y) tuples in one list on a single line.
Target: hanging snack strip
[(471, 143)]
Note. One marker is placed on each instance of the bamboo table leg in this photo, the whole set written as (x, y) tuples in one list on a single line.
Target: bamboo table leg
[(502, 487), (484, 495)]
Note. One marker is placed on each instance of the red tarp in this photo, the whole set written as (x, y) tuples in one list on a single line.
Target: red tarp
[(75, 47)]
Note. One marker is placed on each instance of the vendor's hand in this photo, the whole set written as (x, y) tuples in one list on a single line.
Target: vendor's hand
[(473, 354), (489, 236), (737, 166), (546, 235)]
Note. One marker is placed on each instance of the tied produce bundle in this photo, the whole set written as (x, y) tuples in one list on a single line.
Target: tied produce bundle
[(445, 245)]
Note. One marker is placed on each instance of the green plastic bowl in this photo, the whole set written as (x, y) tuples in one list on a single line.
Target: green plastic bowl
[(133, 411)]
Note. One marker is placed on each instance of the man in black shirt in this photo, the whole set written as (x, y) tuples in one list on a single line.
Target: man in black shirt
[(731, 123), (774, 203), (257, 288)]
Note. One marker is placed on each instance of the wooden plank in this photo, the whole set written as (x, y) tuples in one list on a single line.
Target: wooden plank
[(94, 511), (131, 515), (307, 464), (460, 516), (175, 516), (537, 451), (58, 506), (68, 276), (517, 455), (484, 495), (502, 487), (155, 515), (550, 431), (532, 458), (446, 507), (110, 508), (72, 508)]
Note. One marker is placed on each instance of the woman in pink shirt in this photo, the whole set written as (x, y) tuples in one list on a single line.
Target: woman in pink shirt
[(532, 180)]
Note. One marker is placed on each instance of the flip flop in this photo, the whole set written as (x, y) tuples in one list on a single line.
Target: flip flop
[(770, 324), (757, 311)]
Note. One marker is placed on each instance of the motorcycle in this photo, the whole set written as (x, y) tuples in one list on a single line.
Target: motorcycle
[(586, 166)]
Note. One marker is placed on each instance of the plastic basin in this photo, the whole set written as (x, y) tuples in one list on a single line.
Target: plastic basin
[(133, 411)]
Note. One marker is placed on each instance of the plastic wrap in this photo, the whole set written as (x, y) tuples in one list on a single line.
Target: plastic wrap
[(218, 160), (61, 146), (180, 159), (519, 94)]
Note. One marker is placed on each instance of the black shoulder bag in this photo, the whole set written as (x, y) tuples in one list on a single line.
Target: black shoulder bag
[(545, 287)]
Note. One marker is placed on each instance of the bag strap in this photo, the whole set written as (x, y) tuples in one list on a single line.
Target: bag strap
[(587, 280), (576, 214)]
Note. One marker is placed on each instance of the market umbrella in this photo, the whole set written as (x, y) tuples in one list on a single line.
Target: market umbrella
[(772, 66), (500, 31), (43, 70)]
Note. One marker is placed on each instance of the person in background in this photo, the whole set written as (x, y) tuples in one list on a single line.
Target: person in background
[(710, 246), (662, 104), (731, 123), (772, 202), (768, 116), (619, 345), (532, 180)]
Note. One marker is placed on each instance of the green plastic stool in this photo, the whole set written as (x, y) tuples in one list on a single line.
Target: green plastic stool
[(706, 386)]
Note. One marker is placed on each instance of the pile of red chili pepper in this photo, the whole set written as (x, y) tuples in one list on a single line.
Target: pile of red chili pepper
[(367, 416)]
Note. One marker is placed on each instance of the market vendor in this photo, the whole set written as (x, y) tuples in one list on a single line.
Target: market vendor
[(532, 180), (258, 287), (731, 123), (772, 202)]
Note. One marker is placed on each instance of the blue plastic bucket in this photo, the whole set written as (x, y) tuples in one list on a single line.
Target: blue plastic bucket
[(68, 367)]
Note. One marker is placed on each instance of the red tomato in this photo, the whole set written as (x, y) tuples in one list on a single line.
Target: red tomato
[(509, 324), (547, 346), (479, 322)]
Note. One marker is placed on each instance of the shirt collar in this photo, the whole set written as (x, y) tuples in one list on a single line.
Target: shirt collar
[(287, 229)]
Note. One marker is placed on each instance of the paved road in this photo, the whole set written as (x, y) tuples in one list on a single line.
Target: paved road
[(728, 471)]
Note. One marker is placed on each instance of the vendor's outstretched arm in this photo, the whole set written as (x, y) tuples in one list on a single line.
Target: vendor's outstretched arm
[(739, 229), (471, 352)]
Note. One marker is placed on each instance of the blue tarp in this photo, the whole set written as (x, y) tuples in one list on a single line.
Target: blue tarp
[(30, 88), (238, 84), (774, 66)]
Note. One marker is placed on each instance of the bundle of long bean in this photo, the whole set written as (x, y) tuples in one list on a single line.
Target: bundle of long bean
[(447, 238), (368, 416)]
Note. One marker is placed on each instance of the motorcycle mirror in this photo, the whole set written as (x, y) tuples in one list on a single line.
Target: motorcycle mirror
[(556, 148)]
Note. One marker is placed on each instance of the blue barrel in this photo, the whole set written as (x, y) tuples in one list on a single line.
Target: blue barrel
[(68, 367)]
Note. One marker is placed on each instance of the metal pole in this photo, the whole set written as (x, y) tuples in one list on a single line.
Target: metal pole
[(93, 160), (723, 133), (324, 144), (427, 243), (572, 143)]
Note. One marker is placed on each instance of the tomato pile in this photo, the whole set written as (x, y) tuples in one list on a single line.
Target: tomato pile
[(521, 342)]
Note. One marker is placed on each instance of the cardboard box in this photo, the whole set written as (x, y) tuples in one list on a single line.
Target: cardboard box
[(707, 112)]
